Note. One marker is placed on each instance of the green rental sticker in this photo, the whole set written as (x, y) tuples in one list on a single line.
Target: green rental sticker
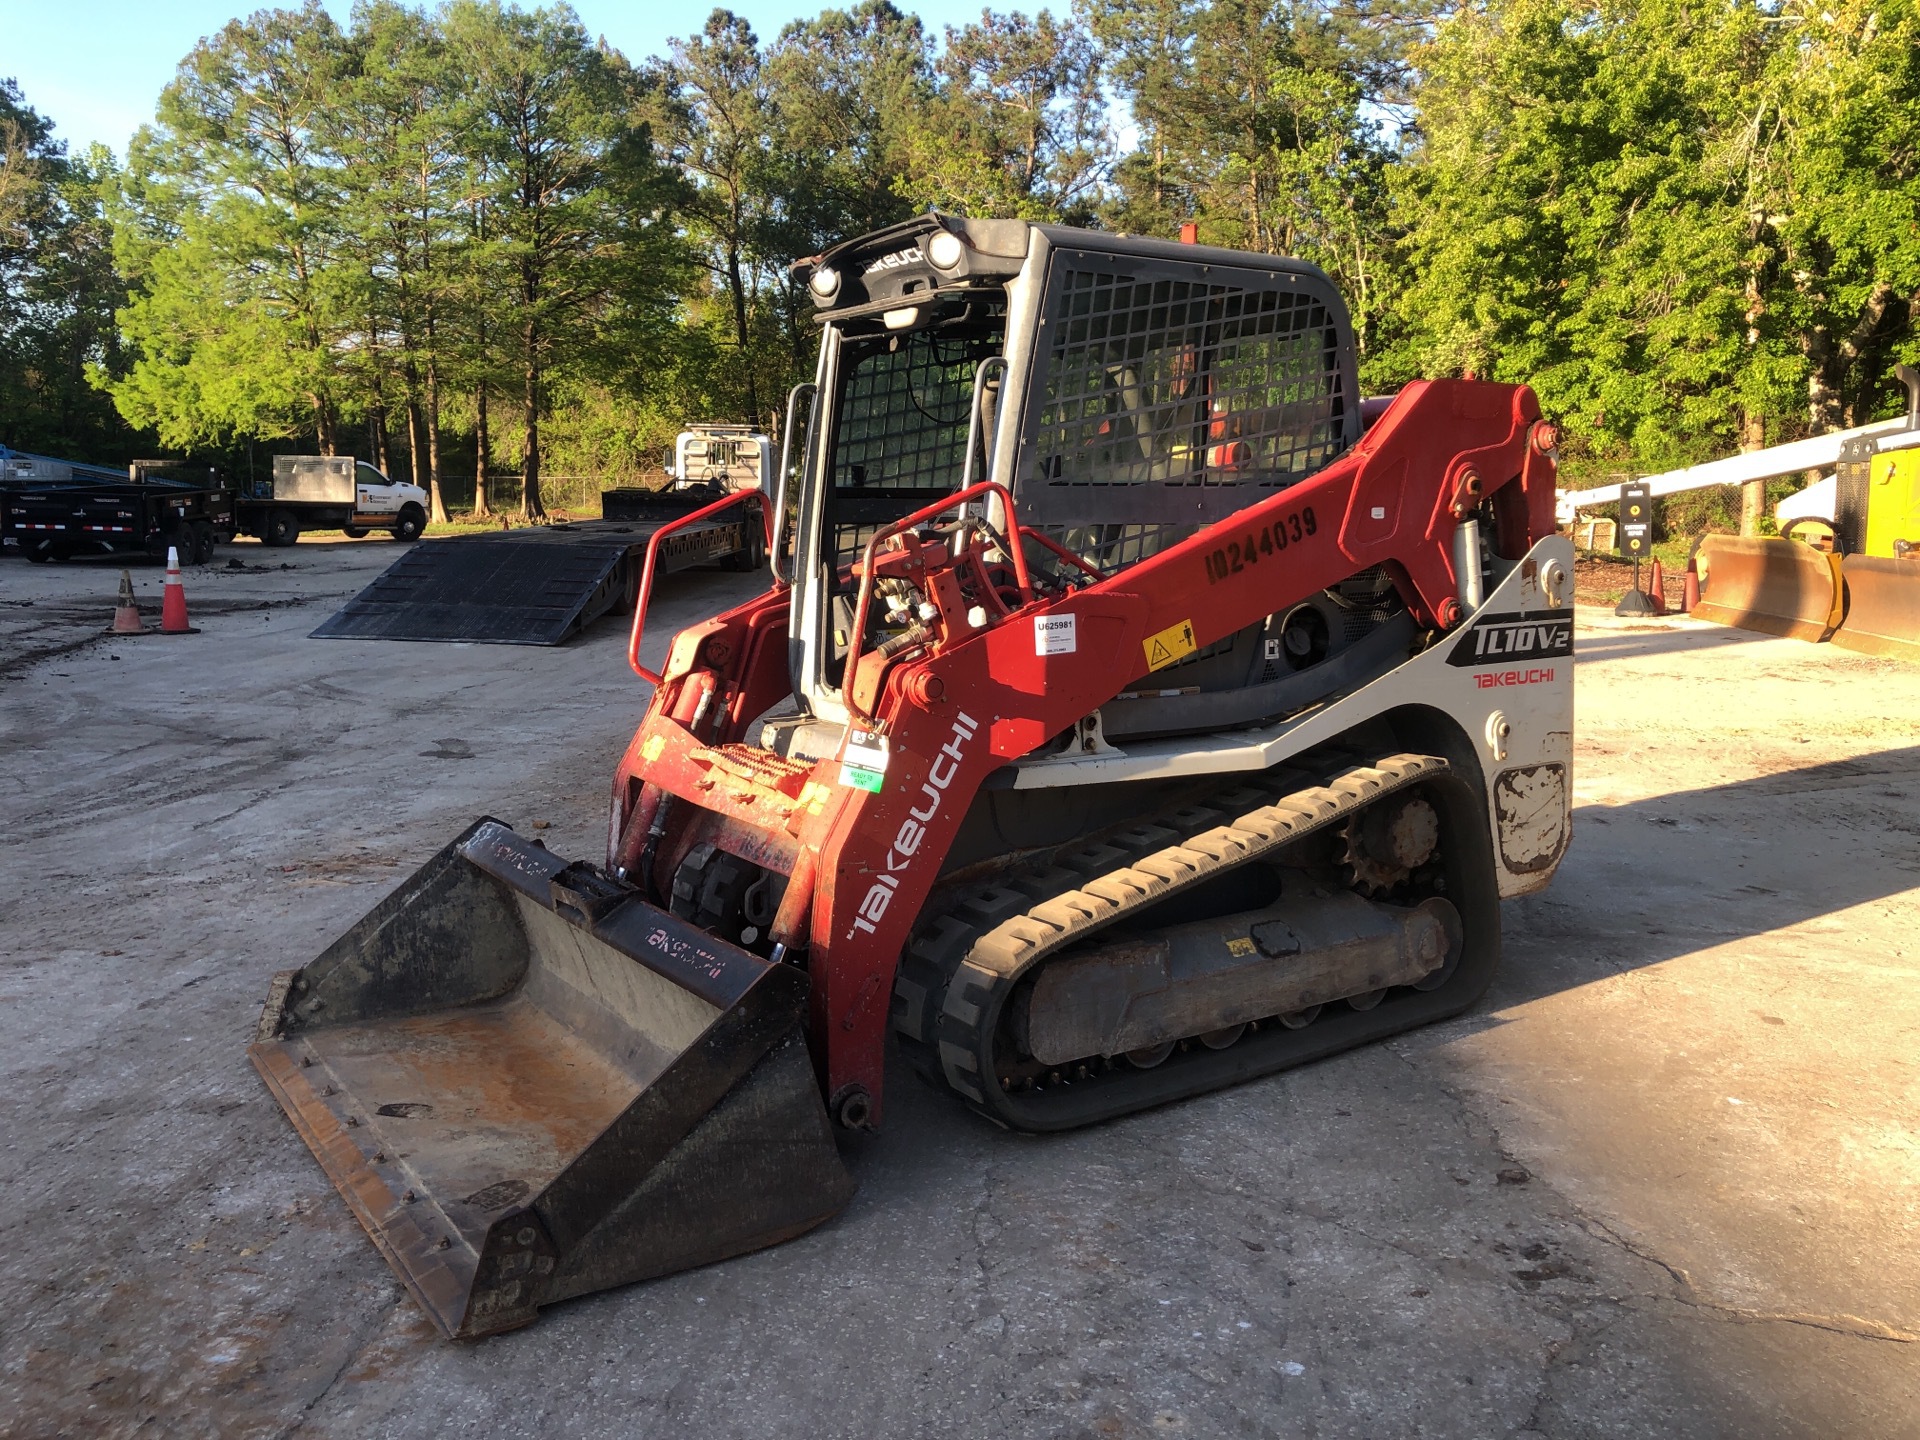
[(863, 764), (868, 780)]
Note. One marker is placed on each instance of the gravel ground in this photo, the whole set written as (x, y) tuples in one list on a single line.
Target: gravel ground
[(1661, 1182)]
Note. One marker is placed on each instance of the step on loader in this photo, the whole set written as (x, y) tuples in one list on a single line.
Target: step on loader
[(1134, 711)]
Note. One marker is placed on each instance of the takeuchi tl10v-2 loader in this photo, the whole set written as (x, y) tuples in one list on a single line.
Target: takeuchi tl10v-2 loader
[(1134, 711)]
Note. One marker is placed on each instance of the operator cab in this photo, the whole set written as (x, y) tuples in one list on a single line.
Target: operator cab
[(1124, 391)]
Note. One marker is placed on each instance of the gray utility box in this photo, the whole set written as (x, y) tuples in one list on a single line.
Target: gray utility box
[(313, 479)]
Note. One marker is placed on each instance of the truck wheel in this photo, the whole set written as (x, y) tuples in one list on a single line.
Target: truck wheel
[(413, 520), (283, 528), (203, 539), (353, 532), (38, 554)]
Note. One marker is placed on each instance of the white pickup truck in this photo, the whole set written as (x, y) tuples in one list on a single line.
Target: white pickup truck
[(329, 492)]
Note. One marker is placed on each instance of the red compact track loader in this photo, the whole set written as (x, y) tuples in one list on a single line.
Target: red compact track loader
[(1134, 711)]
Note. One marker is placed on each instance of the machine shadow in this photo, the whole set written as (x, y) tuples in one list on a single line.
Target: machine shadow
[(1661, 640), (1630, 892), (1626, 896)]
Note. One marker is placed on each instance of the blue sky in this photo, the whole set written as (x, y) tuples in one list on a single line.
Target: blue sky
[(96, 67)]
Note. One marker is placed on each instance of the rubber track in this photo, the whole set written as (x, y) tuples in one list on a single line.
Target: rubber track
[(970, 957)]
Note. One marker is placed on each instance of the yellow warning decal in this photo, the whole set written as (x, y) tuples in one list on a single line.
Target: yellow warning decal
[(1240, 945), (651, 747), (1171, 644)]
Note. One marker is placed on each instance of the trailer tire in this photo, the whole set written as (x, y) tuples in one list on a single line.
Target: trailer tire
[(752, 557), (354, 532), (38, 554), (413, 521), (203, 542), (282, 528)]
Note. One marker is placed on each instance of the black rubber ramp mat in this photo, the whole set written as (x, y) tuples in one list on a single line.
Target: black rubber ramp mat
[(525, 587)]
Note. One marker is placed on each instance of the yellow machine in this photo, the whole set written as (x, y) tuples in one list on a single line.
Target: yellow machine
[(1865, 595), (1882, 577), (1893, 505)]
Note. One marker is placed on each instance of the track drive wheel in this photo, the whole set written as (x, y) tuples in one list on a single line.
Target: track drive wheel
[(966, 981)]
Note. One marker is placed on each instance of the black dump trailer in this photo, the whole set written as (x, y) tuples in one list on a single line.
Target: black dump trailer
[(23, 473), (101, 513)]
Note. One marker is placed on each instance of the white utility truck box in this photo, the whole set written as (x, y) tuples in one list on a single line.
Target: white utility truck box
[(313, 479)]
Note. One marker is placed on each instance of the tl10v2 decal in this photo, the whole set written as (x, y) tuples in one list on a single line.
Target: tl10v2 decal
[(1503, 639)]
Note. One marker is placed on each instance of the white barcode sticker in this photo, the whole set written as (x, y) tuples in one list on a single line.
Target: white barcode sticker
[(1055, 635)]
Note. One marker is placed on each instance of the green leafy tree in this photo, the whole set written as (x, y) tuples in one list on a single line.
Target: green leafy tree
[(846, 88), (1688, 228), (566, 159), (58, 290), (400, 126), (228, 223), (1261, 123), (471, 341), (1146, 57), (715, 113), (1837, 184), (1017, 126)]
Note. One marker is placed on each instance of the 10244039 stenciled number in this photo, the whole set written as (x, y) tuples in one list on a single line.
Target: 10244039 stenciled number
[(1236, 555)]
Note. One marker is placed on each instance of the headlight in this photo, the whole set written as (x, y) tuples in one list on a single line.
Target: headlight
[(945, 250), (825, 282)]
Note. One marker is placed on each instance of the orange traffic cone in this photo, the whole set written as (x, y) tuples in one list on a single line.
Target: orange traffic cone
[(1657, 585), (126, 615), (1690, 588), (173, 599)]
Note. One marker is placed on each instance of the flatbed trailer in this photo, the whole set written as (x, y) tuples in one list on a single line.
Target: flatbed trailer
[(540, 585)]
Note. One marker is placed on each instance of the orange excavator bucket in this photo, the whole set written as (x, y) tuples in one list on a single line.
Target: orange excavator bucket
[(529, 1084)]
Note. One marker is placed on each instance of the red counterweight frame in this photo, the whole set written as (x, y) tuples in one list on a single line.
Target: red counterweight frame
[(860, 864)]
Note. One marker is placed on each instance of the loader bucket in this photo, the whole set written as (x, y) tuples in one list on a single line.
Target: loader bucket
[(1883, 607), (1778, 587), (529, 1084)]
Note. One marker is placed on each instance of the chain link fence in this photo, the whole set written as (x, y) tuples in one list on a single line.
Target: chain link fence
[(575, 494)]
